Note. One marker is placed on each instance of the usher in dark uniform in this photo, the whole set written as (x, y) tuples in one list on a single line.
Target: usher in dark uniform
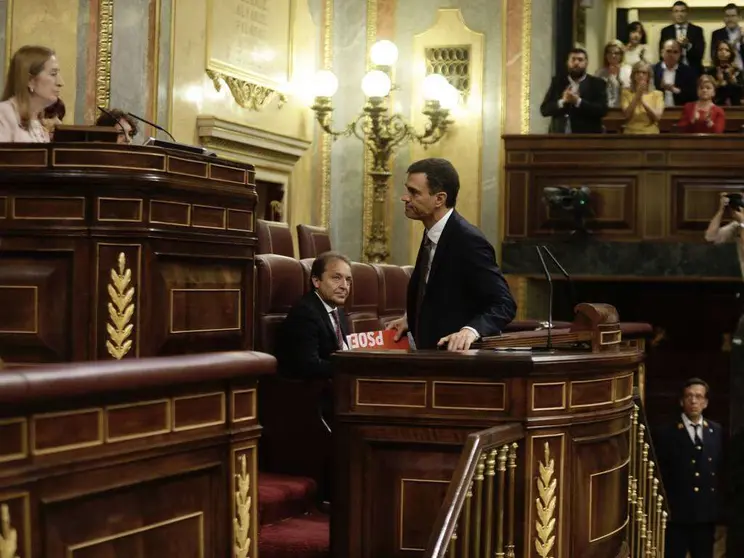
[(690, 473)]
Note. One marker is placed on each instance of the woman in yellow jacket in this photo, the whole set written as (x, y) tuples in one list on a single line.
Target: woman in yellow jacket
[(642, 105)]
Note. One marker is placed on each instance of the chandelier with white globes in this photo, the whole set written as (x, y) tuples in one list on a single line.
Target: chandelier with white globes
[(382, 131)]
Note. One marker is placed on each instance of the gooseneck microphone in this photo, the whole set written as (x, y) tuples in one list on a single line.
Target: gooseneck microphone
[(112, 117), (565, 274), (550, 297), (156, 126)]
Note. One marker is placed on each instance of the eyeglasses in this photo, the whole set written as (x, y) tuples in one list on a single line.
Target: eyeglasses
[(694, 396)]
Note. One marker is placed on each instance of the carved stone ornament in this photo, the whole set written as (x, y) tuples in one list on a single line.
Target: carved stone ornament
[(248, 95)]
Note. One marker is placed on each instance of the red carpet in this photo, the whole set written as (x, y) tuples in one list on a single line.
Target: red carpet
[(290, 524)]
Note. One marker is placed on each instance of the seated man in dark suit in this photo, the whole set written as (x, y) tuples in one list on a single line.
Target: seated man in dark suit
[(457, 293), (688, 35), (316, 325), (690, 456), (677, 81), (577, 102)]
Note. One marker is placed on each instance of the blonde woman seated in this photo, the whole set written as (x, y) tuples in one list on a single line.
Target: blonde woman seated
[(33, 83), (642, 105)]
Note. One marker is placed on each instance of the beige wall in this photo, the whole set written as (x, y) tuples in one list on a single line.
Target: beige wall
[(165, 79)]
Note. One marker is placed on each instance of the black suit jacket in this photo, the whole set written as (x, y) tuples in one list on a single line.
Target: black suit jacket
[(685, 79), (697, 44), (718, 36), (587, 117), (679, 461), (307, 338), (465, 287)]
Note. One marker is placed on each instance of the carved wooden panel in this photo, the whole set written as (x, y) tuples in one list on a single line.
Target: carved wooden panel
[(697, 200), (517, 203), (202, 303), (118, 512), (599, 488), (410, 481), (35, 299), (612, 204)]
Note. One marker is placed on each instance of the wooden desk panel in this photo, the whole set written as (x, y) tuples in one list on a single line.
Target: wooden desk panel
[(115, 251), (663, 187), (402, 419)]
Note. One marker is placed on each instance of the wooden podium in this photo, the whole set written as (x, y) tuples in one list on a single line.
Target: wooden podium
[(402, 419), (117, 251)]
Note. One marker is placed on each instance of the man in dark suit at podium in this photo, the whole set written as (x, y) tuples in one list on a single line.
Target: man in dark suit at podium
[(457, 293), (688, 35), (316, 326), (690, 456), (576, 102)]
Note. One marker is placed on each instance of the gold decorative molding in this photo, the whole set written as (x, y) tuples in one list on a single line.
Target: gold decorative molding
[(546, 503), (327, 140), (121, 310), (368, 195), (242, 519), (8, 535), (103, 54), (453, 62), (526, 64), (248, 95)]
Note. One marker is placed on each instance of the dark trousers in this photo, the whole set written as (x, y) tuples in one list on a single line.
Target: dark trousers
[(695, 538)]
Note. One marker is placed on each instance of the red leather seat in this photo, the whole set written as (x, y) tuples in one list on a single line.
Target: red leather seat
[(362, 306), (392, 283), (278, 287), (313, 241), (274, 238)]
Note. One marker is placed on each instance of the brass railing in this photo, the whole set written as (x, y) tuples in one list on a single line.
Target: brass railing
[(647, 506), (477, 518)]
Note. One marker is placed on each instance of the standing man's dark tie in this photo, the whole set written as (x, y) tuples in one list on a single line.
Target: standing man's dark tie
[(698, 439), (425, 268)]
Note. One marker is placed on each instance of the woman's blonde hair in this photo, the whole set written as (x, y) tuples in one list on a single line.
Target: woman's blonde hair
[(614, 44), (27, 62), (705, 77), (640, 67)]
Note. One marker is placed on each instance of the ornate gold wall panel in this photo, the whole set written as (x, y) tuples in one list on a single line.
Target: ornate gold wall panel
[(103, 53), (327, 141), (463, 143)]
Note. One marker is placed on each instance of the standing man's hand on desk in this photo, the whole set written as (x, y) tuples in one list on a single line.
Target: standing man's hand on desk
[(400, 326), (459, 341)]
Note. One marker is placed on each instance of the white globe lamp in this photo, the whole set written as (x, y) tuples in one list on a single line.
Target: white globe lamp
[(383, 53), (376, 84), (325, 84)]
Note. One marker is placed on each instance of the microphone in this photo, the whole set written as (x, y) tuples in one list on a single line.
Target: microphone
[(565, 274), (112, 117), (549, 345), (156, 126)]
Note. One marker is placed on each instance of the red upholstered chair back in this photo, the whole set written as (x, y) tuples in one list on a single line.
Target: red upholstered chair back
[(278, 287), (306, 265), (312, 240), (274, 238), (392, 288), (362, 304)]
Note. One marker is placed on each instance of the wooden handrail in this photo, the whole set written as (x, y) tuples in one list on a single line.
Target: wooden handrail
[(475, 445)]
